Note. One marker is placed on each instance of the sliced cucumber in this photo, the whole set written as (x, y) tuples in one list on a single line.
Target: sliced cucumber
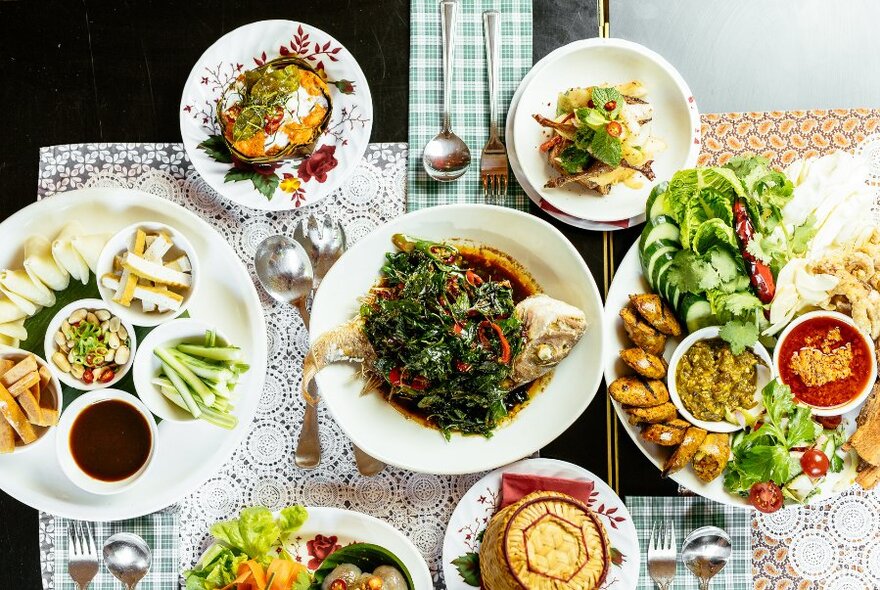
[(660, 228), (696, 311), (657, 204), (658, 267)]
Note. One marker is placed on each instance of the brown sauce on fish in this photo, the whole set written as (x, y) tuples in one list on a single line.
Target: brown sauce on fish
[(491, 265)]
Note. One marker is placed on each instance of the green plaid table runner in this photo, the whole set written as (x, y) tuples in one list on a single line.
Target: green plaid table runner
[(689, 513), (470, 102), (159, 530)]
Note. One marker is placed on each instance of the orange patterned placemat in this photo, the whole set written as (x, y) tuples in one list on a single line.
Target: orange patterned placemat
[(834, 544)]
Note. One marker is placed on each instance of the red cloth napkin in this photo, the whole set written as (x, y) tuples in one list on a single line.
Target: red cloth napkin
[(515, 486)]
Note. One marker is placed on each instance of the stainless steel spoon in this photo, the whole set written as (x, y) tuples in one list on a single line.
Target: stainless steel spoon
[(705, 552), (447, 157), (128, 557), (325, 242), (285, 271)]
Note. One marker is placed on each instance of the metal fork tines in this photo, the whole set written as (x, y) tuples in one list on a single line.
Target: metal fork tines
[(493, 160), (323, 241), (662, 554), (82, 559)]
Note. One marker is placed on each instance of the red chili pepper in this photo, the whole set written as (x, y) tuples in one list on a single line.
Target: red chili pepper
[(107, 376), (759, 273), (457, 329), (88, 377), (591, 104), (419, 383), (473, 278), (394, 377), (462, 366), (274, 122), (610, 105), (505, 345), (550, 143), (614, 129)]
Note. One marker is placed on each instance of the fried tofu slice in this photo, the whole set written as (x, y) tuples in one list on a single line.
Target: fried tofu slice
[(666, 434), (5, 365), (26, 365), (641, 333), (30, 407), (632, 391), (644, 363), (7, 436), (24, 384), (693, 438), (48, 417), (656, 313), (655, 414), (712, 456), (11, 411)]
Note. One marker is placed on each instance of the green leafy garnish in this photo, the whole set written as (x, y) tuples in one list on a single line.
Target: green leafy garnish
[(264, 183), (468, 566), (216, 148), (739, 335), (605, 148), (573, 160), (602, 95)]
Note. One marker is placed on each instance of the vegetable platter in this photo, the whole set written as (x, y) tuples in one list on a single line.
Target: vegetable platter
[(779, 261), (185, 453)]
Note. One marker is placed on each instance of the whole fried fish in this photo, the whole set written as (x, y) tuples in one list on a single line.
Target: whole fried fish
[(551, 328)]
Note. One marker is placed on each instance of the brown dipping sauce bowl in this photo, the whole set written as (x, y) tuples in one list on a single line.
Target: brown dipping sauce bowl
[(106, 441)]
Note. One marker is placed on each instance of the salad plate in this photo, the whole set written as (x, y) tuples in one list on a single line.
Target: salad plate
[(323, 162), (461, 544), (609, 61), (186, 453), (559, 272)]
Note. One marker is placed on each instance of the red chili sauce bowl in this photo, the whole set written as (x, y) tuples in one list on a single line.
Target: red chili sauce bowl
[(828, 363)]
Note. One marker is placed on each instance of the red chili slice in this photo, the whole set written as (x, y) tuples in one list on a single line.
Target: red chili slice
[(505, 345), (614, 129), (394, 377), (473, 278), (462, 366), (419, 383)]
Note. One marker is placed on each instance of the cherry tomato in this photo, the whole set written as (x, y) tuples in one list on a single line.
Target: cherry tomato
[(419, 383), (614, 129), (766, 496), (394, 377), (610, 105), (829, 422), (814, 463), (88, 377), (338, 584), (107, 376)]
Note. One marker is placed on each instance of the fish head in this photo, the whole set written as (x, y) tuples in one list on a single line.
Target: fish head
[(551, 328)]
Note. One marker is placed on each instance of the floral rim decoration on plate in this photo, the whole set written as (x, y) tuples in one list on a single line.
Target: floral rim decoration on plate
[(464, 534), (286, 183)]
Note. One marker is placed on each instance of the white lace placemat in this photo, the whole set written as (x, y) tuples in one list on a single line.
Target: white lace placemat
[(262, 471)]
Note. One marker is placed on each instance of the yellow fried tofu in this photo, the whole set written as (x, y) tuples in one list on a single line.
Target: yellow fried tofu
[(666, 434), (693, 438), (712, 456), (656, 313), (654, 414), (644, 363)]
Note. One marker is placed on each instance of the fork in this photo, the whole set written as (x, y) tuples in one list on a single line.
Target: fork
[(493, 160), (82, 564), (324, 243), (662, 550)]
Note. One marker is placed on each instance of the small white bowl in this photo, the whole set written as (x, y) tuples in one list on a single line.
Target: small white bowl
[(872, 377), (49, 346), (62, 442), (54, 390), (147, 366), (763, 378), (120, 243)]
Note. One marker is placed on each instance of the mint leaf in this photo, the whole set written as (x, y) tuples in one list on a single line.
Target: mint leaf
[(739, 335), (573, 160), (264, 183), (592, 118), (216, 148), (468, 566), (604, 94), (606, 148), (583, 138)]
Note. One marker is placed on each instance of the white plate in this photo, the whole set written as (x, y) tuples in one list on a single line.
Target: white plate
[(377, 428), (187, 454), (628, 279), (337, 526), (613, 61), (248, 47), (480, 502)]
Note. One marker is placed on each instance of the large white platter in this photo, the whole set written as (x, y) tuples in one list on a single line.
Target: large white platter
[(628, 279), (187, 453), (477, 506), (377, 428), (585, 63)]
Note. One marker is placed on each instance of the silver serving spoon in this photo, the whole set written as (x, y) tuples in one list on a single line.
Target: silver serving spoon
[(285, 271), (705, 552), (325, 242), (128, 557), (447, 157)]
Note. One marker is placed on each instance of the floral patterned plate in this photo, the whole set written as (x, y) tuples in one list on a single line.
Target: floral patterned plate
[(292, 183), (461, 545), (329, 529)]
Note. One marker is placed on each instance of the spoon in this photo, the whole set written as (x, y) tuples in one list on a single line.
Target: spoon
[(285, 271), (325, 243), (447, 157), (705, 552), (128, 557)]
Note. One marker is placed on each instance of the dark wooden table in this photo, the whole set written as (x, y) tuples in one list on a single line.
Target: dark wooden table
[(113, 71)]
